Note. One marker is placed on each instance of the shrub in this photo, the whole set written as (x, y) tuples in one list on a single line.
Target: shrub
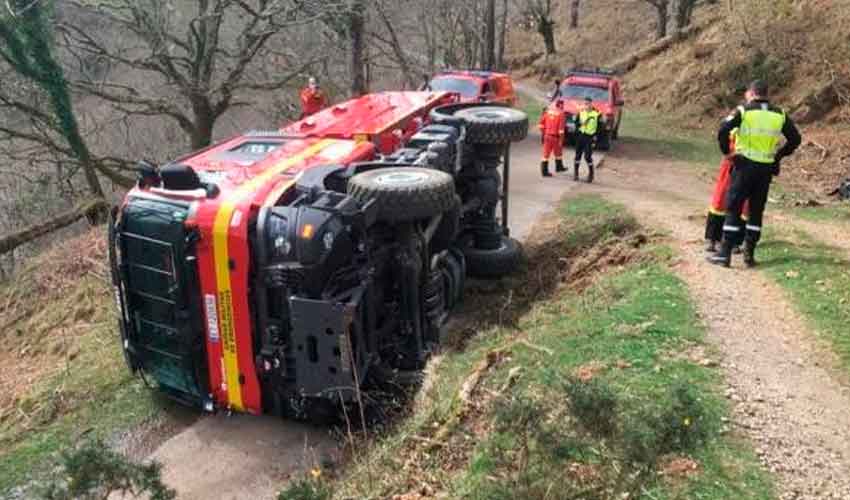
[(308, 488), (594, 405), (93, 471), (682, 425)]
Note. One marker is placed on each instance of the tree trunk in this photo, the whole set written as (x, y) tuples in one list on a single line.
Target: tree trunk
[(503, 30), (356, 29), (91, 209), (574, 7), (684, 12), (663, 17), (546, 28), (490, 36), (204, 122)]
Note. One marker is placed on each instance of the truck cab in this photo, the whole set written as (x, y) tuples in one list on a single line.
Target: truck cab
[(476, 86), (604, 89)]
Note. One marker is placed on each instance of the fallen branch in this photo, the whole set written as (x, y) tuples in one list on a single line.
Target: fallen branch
[(466, 389), (89, 209)]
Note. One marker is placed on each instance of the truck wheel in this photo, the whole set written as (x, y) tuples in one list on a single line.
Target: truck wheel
[(448, 229), (404, 193), (494, 124), (494, 263)]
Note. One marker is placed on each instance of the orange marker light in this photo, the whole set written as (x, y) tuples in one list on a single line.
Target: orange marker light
[(307, 231)]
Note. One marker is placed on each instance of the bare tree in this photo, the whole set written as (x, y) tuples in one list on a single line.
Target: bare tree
[(684, 13), (27, 49), (503, 31), (490, 36), (195, 68), (662, 10), (575, 5), (540, 11)]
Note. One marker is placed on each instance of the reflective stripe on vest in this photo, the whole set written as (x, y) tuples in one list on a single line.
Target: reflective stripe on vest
[(588, 122), (759, 134)]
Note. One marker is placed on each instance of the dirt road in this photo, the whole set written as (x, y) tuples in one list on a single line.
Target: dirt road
[(246, 457), (784, 396)]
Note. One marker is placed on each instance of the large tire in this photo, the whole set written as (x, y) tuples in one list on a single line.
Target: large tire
[(494, 124), (404, 193), (496, 263)]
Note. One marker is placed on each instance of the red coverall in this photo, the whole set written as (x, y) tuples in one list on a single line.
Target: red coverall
[(552, 124), (717, 208), (312, 100)]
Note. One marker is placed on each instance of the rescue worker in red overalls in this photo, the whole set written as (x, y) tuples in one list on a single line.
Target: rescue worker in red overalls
[(717, 208), (552, 124), (312, 98)]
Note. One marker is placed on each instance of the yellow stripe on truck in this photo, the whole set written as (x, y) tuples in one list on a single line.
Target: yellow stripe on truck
[(221, 230)]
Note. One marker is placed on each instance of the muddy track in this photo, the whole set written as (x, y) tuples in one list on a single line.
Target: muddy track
[(784, 396)]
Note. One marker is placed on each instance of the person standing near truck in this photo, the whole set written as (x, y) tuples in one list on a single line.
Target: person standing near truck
[(312, 98), (552, 124), (586, 126), (756, 161)]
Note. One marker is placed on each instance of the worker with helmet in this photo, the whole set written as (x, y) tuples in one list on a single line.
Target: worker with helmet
[(552, 124), (312, 98), (756, 160)]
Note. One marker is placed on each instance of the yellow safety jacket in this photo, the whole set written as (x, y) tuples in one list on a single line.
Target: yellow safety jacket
[(759, 134), (588, 122)]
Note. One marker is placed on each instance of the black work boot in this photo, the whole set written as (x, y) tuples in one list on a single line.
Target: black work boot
[(711, 246), (590, 175), (559, 166), (544, 169), (750, 254), (575, 172), (723, 257)]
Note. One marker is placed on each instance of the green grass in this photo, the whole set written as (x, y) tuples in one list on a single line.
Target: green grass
[(632, 325), (532, 106), (666, 137), (93, 394), (836, 212), (817, 277)]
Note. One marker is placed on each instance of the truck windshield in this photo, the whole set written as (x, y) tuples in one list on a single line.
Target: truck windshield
[(464, 87), (580, 92)]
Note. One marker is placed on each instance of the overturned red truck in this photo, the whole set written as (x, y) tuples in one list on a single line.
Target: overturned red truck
[(273, 272)]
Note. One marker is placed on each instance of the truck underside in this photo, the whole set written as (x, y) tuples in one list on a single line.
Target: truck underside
[(282, 290)]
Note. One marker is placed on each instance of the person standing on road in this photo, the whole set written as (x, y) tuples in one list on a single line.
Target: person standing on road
[(312, 98), (552, 124), (755, 161), (586, 126)]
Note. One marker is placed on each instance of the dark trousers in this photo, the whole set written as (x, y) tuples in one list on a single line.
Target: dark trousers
[(751, 181), (714, 227), (584, 146)]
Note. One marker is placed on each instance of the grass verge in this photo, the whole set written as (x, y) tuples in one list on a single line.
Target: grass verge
[(63, 373), (817, 277), (532, 106), (588, 393), (666, 137), (834, 212)]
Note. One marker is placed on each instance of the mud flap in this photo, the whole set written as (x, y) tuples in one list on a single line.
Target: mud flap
[(326, 347)]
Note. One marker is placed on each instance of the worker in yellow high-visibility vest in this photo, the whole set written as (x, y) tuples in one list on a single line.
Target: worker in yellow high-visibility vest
[(586, 126), (761, 127)]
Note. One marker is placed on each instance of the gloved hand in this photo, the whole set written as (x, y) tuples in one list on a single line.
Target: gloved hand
[(775, 168)]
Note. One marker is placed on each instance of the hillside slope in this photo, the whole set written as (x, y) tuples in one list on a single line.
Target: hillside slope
[(801, 47)]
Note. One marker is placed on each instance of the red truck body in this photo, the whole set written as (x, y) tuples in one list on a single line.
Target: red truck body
[(260, 169)]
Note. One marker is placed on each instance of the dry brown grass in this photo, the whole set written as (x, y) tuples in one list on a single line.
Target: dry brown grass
[(46, 308)]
